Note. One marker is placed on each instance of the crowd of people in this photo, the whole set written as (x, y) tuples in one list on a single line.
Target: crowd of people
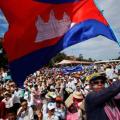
[(90, 94)]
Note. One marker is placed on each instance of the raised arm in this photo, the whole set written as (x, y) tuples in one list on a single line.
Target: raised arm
[(98, 98)]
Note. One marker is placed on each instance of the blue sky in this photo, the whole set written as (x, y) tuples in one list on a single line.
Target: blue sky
[(3, 25), (99, 48)]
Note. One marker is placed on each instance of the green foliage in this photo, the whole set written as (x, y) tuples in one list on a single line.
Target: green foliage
[(118, 58), (80, 58), (3, 60), (59, 57), (3, 57)]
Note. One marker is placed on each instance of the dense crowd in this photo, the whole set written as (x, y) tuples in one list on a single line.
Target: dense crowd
[(49, 94)]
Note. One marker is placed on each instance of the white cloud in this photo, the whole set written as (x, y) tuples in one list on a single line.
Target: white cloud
[(101, 47)]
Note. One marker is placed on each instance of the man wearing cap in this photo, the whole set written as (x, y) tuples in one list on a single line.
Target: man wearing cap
[(51, 112), (100, 103)]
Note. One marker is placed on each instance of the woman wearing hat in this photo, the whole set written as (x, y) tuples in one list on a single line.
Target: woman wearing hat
[(100, 103), (75, 107)]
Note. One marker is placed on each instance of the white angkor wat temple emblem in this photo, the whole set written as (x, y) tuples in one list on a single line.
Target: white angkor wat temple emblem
[(53, 28)]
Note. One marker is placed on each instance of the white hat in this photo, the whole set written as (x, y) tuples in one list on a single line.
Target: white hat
[(69, 90), (52, 87), (51, 106)]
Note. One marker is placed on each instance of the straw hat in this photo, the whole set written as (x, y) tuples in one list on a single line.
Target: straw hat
[(69, 90), (69, 100), (50, 95), (77, 95)]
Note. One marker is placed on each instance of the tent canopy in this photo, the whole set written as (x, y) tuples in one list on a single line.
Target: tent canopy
[(67, 62)]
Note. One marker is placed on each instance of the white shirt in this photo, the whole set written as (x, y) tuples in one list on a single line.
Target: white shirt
[(53, 117), (15, 98), (109, 73), (60, 113), (26, 115), (8, 103)]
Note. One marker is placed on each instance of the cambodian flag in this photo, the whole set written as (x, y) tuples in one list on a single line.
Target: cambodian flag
[(39, 29)]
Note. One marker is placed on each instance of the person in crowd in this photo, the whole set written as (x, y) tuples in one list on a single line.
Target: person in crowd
[(60, 109), (100, 103), (36, 96), (8, 100), (25, 112), (14, 96), (59, 90), (11, 114), (3, 109), (50, 115), (76, 107), (27, 96)]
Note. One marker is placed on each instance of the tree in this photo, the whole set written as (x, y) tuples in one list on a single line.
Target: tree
[(3, 56), (59, 57), (90, 60), (80, 58), (118, 58)]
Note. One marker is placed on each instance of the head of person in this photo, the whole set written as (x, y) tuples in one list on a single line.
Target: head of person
[(1, 98), (77, 98), (7, 95), (24, 104), (51, 108), (78, 87), (50, 96), (52, 88), (11, 114), (57, 87), (58, 101), (97, 82), (36, 87)]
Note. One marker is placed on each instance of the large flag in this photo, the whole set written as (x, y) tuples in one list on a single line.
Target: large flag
[(39, 29)]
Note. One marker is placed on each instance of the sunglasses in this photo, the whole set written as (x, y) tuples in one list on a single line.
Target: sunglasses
[(99, 82)]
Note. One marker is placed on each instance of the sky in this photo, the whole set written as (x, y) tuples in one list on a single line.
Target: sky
[(99, 48)]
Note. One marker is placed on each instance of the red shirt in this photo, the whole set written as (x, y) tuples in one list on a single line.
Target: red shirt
[(3, 110)]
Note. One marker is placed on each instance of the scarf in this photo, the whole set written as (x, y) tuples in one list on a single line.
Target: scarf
[(112, 112)]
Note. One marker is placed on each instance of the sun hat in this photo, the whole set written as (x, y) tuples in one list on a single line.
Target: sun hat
[(69, 100), (52, 87), (69, 90), (51, 95), (77, 95)]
